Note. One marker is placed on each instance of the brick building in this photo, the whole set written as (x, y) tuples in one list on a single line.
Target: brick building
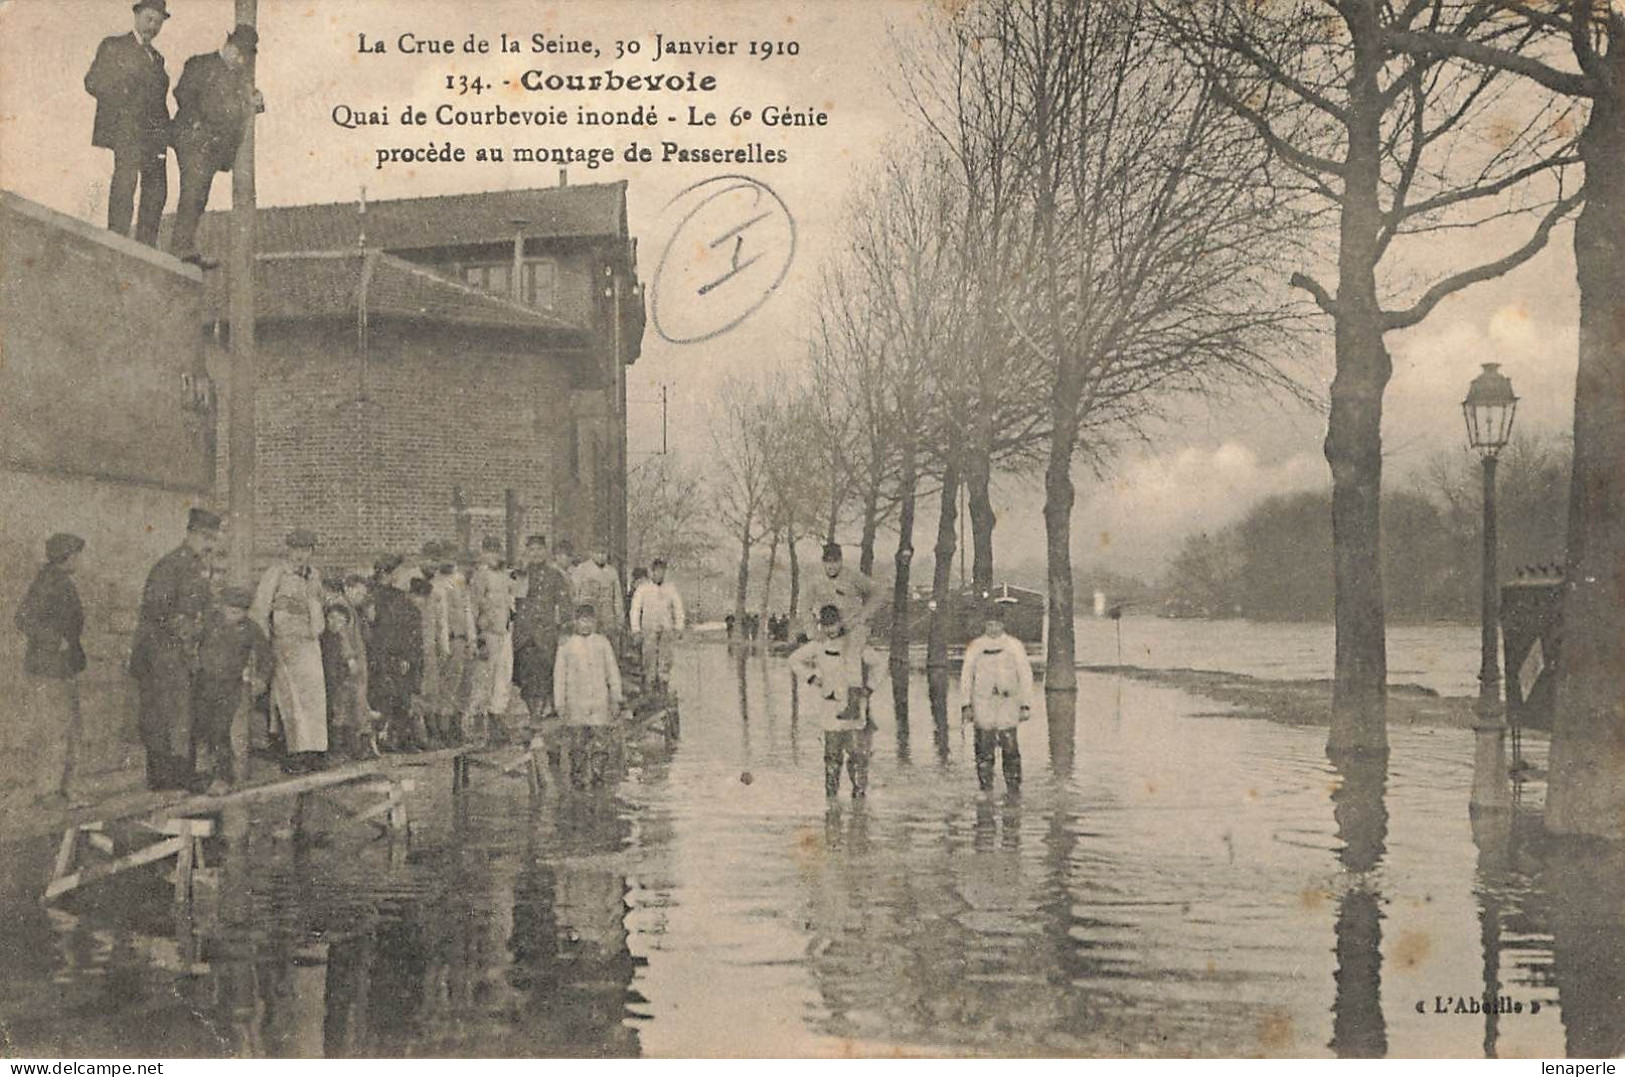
[(424, 354), (104, 432)]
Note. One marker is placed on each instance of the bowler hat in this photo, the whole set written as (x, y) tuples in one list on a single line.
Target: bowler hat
[(829, 615), (160, 6), (245, 37), (61, 546), (240, 597), (832, 551), (202, 520), (302, 538)]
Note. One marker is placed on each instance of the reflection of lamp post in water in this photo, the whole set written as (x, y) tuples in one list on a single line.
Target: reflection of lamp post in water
[(1489, 409)]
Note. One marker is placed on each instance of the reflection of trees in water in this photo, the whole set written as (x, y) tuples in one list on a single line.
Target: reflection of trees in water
[(1061, 716), (954, 935), (1584, 884), (1360, 810), (936, 685), (899, 708)]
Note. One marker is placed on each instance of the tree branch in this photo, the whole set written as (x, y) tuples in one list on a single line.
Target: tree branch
[(1322, 297), (1404, 319), (1430, 43)]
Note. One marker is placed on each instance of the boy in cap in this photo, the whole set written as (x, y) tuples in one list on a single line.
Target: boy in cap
[(234, 654), (841, 678), (997, 680), (587, 693), (52, 620), (348, 726)]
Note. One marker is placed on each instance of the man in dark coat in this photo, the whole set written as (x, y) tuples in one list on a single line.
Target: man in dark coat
[(215, 100), (164, 656), (538, 619), (131, 89), (394, 654), (52, 620)]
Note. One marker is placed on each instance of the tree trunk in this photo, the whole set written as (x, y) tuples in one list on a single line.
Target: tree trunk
[(1586, 791), (795, 575), (1353, 444), (767, 583), (742, 583), (1060, 658), (909, 479), (871, 525), (936, 650), (982, 520)]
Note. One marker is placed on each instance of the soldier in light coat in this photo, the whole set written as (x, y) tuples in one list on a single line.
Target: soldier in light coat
[(842, 678), (491, 597), (657, 621), (596, 582), (997, 682), (288, 609), (587, 694)]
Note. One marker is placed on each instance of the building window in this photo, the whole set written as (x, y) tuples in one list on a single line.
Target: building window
[(538, 281)]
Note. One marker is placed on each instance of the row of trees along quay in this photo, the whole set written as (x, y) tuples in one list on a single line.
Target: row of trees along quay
[(1092, 221)]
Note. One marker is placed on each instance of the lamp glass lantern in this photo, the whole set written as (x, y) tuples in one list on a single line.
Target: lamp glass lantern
[(1489, 410)]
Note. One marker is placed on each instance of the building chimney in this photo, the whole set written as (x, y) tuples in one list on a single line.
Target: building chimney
[(564, 177)]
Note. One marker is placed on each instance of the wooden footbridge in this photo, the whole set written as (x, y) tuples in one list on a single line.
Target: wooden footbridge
[(154, 828)]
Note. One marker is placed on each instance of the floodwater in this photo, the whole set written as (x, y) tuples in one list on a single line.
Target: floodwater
[(1166, 884), (1440, 657)]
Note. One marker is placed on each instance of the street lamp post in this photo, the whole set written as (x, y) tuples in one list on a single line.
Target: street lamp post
[(1489, 410)]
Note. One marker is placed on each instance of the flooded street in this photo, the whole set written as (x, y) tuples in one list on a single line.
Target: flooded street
[(1166, 884)]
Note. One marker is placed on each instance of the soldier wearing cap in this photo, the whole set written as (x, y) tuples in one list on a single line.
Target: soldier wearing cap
[(394, 652), (288, 609), (234, 662), (164, 652), (215, 102), (491, 596), (131, 88), (52, 620)]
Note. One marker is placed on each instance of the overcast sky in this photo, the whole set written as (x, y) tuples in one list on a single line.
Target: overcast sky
[(1200, 473)]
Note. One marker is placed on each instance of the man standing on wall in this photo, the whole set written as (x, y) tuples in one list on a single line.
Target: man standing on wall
[(215, 101), (52, 620), (131, 89), (164, 652)]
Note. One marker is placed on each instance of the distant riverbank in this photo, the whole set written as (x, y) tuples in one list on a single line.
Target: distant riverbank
[(1300, 702)]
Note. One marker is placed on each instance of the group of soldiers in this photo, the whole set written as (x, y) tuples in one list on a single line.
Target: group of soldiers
[(215, 101), (425, 652)]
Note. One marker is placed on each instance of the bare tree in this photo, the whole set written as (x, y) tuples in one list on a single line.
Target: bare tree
[(739, 428), (1392, 145), (1576, 49), (1150, 227), (667, 512)]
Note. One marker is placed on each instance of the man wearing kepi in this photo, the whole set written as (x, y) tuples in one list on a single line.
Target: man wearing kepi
[(841, 679), (288, 609), (657, 620), (131, 89), (997, 680), (215, 101), (164, 653)]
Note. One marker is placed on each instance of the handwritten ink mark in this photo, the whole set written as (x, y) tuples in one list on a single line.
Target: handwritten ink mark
[(722, 303)]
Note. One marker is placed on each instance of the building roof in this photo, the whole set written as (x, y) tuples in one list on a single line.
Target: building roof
[(594, 210), (349, 283)]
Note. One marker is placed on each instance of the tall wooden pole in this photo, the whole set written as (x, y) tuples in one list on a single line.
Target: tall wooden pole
[(244, 375)]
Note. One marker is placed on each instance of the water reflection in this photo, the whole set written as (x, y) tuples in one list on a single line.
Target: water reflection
[(899, 676), (1360, 811), (1182, 886)]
